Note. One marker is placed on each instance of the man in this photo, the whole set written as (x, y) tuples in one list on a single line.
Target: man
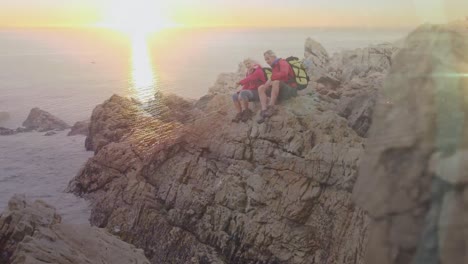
[(282, 85)]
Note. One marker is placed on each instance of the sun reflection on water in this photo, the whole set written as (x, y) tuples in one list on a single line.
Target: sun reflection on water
[(144, 79)]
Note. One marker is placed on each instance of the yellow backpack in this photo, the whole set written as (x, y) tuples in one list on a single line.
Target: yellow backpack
[(302, 78), (267, 72)]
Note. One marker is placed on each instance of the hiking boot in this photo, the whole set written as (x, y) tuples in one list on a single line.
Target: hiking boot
[(262, 117), (246, 115), (270, 111), (237, 118)]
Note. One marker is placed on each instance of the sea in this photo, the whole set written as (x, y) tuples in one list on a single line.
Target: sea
[(68, 71)]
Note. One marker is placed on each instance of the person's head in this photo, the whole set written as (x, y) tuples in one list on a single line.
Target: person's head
[(270, 57), (249, 63)]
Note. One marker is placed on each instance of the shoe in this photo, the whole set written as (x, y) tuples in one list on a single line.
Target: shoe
[(270, 111), (246, 115), (262, 117), (237, 118)]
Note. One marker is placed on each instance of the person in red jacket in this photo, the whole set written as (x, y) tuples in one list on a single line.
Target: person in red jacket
[(281, 86), (249, 91)]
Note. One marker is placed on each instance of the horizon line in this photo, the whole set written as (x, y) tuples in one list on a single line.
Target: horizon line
[(211, 27)]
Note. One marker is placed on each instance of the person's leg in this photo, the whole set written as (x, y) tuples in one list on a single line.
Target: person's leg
[(244, 98), (245, 104), (263, 97), (275, 88), (235, 100), (286, 92)]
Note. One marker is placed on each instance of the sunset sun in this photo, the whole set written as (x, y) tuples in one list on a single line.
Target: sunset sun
[(136, 17)]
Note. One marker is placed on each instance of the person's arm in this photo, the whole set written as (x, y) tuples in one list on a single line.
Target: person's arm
[(283, 73), (256, 75)]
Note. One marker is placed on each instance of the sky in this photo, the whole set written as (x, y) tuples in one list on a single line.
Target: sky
[(251, 13)]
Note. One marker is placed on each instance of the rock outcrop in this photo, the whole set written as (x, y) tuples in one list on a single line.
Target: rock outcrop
[(43, 121), (413, 177), (32, 233), (119, 118), (171, 108), (316, 60), (350, 80), (80, 128), (211, 191), (360, 63), (6, 131), (111, 121)]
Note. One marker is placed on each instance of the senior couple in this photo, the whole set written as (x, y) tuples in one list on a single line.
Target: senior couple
[(256, 87)]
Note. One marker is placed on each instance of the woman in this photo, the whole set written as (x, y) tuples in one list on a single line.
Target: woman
[(248, 93)]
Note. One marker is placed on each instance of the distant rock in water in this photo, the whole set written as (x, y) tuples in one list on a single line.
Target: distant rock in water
[(23, 130), (80, 128), (43, 121), (7, 132), (414, 174), (50, 133), (33, 233)]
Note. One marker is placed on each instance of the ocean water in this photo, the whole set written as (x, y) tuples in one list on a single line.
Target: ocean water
[(40, 167), (67, 72)]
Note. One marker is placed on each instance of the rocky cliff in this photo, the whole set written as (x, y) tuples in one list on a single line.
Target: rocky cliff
[(413, 176), (205, 190), (32, 233)]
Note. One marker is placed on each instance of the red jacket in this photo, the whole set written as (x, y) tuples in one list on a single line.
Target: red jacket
[(282, 71), (254, 78)]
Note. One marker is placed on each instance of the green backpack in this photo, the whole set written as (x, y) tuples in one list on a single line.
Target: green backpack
[(302, 79)]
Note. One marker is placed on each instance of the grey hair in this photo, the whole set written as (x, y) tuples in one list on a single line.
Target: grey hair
[(269, 53)]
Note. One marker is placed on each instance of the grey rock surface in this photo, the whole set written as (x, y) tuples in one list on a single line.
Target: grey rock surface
[(211, 191), (80, 128), (6, 131), (412, 179), (43, 121), (32, 233)]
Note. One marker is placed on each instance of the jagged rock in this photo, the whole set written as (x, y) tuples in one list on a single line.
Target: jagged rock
[(42, 121), (212, 191), (347, 65), (316, 60), (110, 121), (334, 95), (32, 233), (170, 108), (23, 130), (412, 179), (329, 82), (349, 82), (359, 111), (80, 128), (6, 131), (358, 100), (120, 117)]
